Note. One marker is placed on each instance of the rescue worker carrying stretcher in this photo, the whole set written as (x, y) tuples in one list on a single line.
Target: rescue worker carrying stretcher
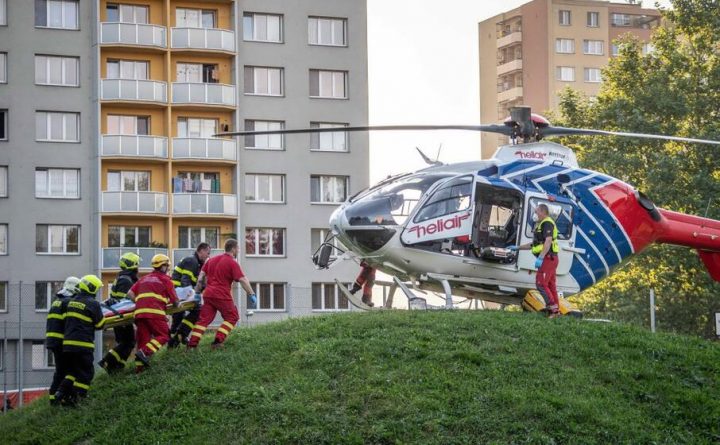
[(151, 295), (545, 247), (55, 332), (185, 275), (82, 316), (115, 359)]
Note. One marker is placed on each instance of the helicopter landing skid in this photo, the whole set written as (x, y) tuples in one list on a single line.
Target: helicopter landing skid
[(415, 302), (355, 301)]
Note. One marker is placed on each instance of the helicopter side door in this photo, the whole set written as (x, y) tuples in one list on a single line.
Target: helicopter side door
[(562, 211), (445, 216)]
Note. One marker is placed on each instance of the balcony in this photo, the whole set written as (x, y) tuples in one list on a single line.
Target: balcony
[(203, 94), (134, 90), (179, 254), (204, 39), (134, 146), (509, 67), (205, 149), (511, 94), (133, 34), (204, 204), (111, 255), (513, 37), (134, 202)]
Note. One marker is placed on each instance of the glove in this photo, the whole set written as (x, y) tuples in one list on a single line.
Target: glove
[(538, 262), (253, 301), (513, 248)]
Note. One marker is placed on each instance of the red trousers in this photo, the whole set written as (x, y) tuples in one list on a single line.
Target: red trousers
[(546, 282), (151, 334), (210, 307), (366, 280)]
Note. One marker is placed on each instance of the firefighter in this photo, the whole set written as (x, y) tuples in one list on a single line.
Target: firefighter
[(115, 359), (151, 295), (82, 316), (545, 248), (55, 332), (185, 274), (366, 281), (218, 275)]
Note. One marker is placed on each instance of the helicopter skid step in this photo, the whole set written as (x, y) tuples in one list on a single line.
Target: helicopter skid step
[(354, 300)]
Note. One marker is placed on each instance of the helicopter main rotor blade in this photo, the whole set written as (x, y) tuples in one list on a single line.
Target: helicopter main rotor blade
[(494, 128), (564, 131)]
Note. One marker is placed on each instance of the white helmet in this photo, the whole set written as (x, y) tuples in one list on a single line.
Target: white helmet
[(70, 286)]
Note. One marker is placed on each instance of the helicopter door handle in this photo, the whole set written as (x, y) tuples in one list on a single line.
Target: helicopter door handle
[(573, 249)]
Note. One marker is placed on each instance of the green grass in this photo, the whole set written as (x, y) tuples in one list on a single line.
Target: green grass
[(405, 377)]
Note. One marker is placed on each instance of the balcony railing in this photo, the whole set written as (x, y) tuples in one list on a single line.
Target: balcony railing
[(204, 148), (203, 38), (135, 146), (179, 254), (134, 90), (204, 204), (203, 93), (508, 67), (513, 37), (133, 34), (111, 255), (510, 94), (134, 202)]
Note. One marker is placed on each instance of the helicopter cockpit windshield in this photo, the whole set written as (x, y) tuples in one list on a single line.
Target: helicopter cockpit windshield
[(391, 204)]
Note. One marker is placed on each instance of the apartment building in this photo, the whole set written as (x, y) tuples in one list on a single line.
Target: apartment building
[(530, 53), (122, 115)]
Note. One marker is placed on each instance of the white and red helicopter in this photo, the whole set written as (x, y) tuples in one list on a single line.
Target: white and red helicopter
[(446, 228)]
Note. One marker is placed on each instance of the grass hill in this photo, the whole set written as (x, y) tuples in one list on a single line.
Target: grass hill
[(405, 377)]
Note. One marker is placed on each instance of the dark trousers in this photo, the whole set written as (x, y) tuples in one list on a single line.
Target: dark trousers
[(61, 370), (80, 372), (116, 357), (183, 323)]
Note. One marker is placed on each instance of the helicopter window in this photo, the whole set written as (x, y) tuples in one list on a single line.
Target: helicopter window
[(561, 213), (451, 197)]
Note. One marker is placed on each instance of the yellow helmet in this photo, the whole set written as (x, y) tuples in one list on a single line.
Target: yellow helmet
[(129, 261), (90, 284), (159, 260)]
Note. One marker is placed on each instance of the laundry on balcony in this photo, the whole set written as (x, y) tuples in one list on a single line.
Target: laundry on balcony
[(196, 184)]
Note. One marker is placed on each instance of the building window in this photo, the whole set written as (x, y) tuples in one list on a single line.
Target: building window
[(3, 67), (3, 296), (127, 13), (56, 239), (3, 181), (128, 125), (3, 125), (263, 81), (564, 46), (57, 183), (264, 242), (45, 292), (271, 296), (262, 27), (327, 297), (42, 358), (565, 73), (264, 141), (197, 73), (128, 181), (61, 14), (564, 17), (592, 75), (620, 19), (647, 48), (57, 126), (3, 239), (197, 182), (129, 236), (594, 47), (127, 69), (3, 21), (265, 188), (317, 237), (191, 127), (328, 189), (331, 141), (56, 70), (327, 31), (328, 84), (593, 19), (614, 49), (190, 237), (194, 18)]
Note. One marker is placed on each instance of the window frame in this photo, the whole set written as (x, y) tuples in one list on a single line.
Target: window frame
[(3, 65), (345, 86), (3, 22), (558, 73), (47, 192), (254, 69), (317, 19), (4, 180), (4, 231), (253, 16), (201, 11), (134, 8), (450, 183), (254, 123), (135, 118), (185, 120), (122, 235), (589, 43), (63, 71), (38, 346), (256, 236), (136, 181), (203, 236), (320, 188), (587, 77), (589, 21), (135, 64), (532, 203), (65, 228), (4, 116), (256, 288), (49, 294), (562, 13), (47, 15), (337, 297), (48, 126), (559, 45), (4, 291), (256, 187), (626, 22), (317, 136)]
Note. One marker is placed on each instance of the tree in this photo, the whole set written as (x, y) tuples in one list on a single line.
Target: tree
[(674, 89)]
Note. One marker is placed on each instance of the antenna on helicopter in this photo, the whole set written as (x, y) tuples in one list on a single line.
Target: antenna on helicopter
[(437, 158), (427, 160)]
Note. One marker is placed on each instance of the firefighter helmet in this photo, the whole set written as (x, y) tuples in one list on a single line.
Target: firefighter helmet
[(159, 260), (90, 284), (129, 261), (70, 286)]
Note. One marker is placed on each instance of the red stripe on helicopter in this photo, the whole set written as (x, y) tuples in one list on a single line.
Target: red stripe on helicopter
[(639, 226)]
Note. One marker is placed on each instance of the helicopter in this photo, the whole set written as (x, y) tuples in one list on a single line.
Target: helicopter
[(447, 228)]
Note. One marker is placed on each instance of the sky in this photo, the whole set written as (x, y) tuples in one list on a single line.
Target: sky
[(423, 69)]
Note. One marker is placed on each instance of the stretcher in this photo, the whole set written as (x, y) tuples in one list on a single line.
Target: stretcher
[(122, 313), (534, 302)]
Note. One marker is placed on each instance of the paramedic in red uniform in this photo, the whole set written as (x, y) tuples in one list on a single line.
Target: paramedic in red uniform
[(546, 249), (217, 276), (151, 295), (365, 281)]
